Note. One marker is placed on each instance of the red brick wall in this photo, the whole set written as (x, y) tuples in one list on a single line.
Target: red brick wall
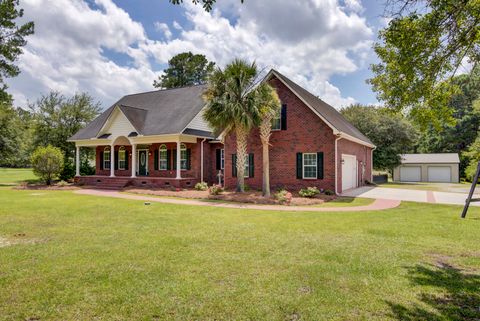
[(194, 172), (362, 153), (305, 133)]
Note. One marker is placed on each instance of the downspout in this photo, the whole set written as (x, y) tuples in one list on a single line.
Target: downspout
[(201, 160), (336, 165), (371, 164)]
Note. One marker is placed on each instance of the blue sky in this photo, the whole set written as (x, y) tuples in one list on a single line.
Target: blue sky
[(110, 48)]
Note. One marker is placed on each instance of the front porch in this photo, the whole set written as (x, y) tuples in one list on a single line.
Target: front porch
[(153, 162)]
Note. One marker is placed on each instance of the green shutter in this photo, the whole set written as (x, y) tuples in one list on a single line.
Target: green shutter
[(234, 165), (218, 159), (174, 159), (189, 159), (101, 160), (299, 165), (155, 159), (320, 165), (126, 159), (283, 119), (169, 159), (251, 165), (116, 160)]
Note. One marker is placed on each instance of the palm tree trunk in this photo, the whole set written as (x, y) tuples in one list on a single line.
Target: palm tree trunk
[(241, 134), (265, 131)]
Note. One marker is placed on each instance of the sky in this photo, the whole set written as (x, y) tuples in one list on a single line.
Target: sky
[(111, 48)]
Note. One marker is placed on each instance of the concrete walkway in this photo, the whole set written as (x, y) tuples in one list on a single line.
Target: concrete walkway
[(410, 195), (377, 205)]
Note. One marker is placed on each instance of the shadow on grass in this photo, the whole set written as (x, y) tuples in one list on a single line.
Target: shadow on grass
[(457, 294)]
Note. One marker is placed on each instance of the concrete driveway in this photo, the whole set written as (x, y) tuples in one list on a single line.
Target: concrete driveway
[(410, 195)]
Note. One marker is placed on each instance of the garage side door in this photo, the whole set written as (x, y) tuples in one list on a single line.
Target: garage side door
[(410, 174), (439, 174), (349, 172)]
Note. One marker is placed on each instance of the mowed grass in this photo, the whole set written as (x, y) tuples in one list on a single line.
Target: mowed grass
[(76, 257), (10, 176)]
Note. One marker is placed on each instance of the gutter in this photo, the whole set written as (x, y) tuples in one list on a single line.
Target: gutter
[(201, 160), (336, 164)]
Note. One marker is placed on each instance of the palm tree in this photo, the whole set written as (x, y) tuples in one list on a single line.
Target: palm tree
[(232, 107), (269, 103)]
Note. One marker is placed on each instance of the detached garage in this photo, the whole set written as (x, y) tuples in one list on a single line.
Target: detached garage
[(435, 168)]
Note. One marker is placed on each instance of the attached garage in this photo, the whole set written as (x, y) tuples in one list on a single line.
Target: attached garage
[(435, 168)]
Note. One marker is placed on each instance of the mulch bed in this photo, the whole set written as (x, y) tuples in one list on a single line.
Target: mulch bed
[(46, 187), (251, 197)]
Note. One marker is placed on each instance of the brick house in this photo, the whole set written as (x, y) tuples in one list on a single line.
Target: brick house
[(160, 139)]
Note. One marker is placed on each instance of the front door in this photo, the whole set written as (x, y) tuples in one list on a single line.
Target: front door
[(142, 162)]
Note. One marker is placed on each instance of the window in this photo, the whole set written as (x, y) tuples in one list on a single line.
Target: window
[(277, 120), (183, 157), (122, 157), (309, 165), (222, 158), (246, 172), (106, 158), (163, 159)]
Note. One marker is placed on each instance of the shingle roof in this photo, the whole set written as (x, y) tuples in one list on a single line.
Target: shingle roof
[(153, 113), (330, 114), (430, 158)]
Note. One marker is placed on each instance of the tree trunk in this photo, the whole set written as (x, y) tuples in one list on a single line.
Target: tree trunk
[(265, 131), (241, 134)]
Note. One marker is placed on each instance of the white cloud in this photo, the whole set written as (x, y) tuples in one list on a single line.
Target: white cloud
[(308, 41), (164, 29)]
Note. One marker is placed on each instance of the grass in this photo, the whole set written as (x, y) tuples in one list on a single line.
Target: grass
[(344, 201), (77, 257), (11, 176)]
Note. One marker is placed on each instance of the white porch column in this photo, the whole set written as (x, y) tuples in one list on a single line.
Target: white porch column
[(134, 160), (77, 161), (179, 170), (112, 160)]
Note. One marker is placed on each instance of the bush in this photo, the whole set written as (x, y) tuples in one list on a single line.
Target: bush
[(283, 196), (215, 190), (202, 186), (329, 192), (62, 184), (68, 171), (86, 168), (47, 163), (309, 192)]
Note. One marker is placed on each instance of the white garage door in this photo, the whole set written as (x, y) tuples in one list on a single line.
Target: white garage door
[(439, 174), (410, 174), (349, 172)]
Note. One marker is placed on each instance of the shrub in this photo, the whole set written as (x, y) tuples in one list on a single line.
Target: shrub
[(283, 196), (86, 168), (329, 192), (68, 171), (47, 163), (62, 184), (309, 192), (202, 186), (215, 190)]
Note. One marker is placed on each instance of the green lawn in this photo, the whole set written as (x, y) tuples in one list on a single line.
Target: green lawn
[(74, 257), (347, 202), (10, 176)]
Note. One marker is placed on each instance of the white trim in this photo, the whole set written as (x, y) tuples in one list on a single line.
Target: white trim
[(109, 118), (336, 164), (105, 149), (371, 163), (138, 161), (316, 166), (222, 158), (355, 140), (201, 160), (134, 160)]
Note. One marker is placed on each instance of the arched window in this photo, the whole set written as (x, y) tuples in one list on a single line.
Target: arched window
[(106, 158), (163, 157), (122, 157), (183, 156)]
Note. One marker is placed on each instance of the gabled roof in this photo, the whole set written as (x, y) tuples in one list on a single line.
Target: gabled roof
[(430, 158), (157, 112), (327, 113)]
